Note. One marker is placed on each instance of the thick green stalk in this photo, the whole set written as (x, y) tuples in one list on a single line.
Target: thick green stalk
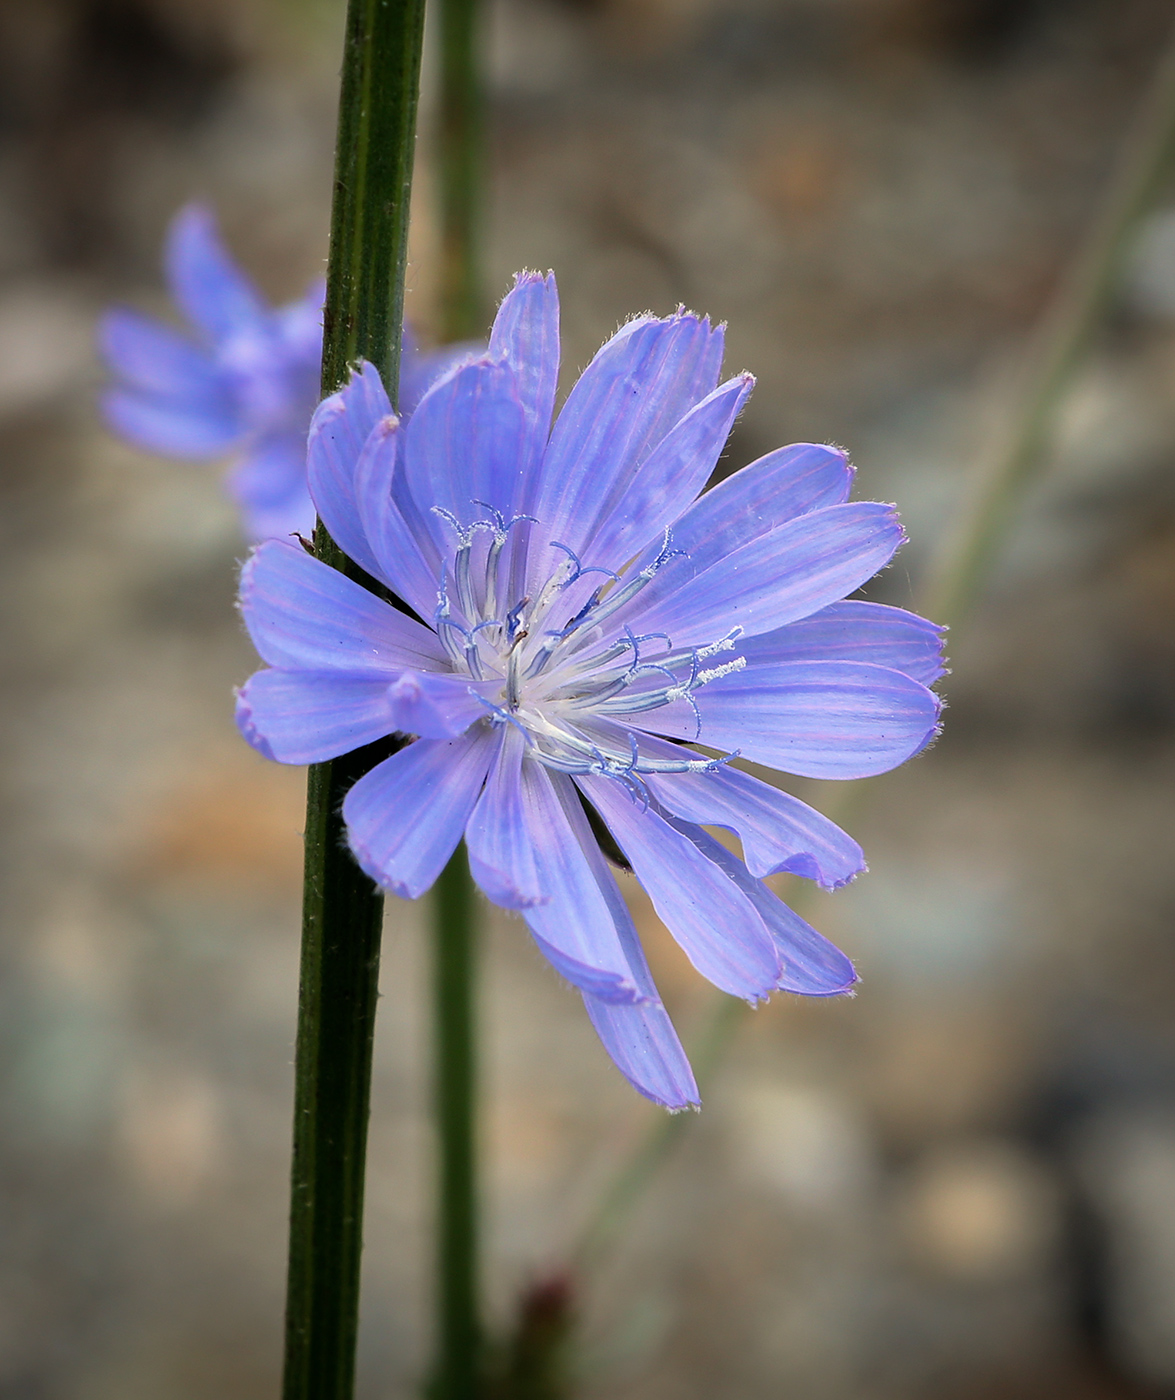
[(962, 567), (457, 1368), (458, 1340), (342, 909)]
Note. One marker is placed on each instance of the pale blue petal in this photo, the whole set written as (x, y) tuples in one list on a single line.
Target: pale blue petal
[(301, 613), (419, 372), (299, 325), (717, 926), (338, 431), (462, 450), (435, 706), (578, 928), (175, 428), (269, 485), (779, 833), (405, 818), (646, 378), (207, 285), (526, 336), (639, 1036), (818, 719), (787, 483), (854, 631), (159, 361), (406, 559), (785, 574), (665, 483), (305, 717), (501, 852), (640, 1039), (811, 965)]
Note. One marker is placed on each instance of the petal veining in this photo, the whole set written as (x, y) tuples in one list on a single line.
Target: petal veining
[(718, 928), (646, 378), (817, 719), (303, 614), (405, 818), (779, 833), (577, 927)]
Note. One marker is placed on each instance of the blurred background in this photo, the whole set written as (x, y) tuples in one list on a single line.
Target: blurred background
[(959, 1184)]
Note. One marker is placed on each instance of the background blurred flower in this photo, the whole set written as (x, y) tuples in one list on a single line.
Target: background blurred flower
[(588, 620), (242, 382)]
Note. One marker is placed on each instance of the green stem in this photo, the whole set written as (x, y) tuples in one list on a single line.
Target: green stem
[(457, 1368), (967, 555), (458, 1341), (461, 123), (342, 909)]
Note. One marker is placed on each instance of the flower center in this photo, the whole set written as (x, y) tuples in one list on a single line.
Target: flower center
[(571, 671)]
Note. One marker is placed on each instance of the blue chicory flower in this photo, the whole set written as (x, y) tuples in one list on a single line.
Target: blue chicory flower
[(583, 618), (243, 383)]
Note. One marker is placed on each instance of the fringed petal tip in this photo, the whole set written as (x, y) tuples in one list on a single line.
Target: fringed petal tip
[(243, 714), (402, 889), (531, 277), (847, 988), (499, 889), (935, 730), (805, 866)]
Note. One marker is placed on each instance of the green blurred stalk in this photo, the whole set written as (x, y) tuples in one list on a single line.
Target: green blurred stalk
[(457, 1369), (342, 909), (461, 158), (957, 576)]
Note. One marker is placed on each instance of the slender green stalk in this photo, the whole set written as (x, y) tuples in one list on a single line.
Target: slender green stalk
[(459, 1342), (1061, 340), (342, 909), (957, 578), (461, 122)]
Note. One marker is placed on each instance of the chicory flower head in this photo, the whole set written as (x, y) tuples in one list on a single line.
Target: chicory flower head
[(585, 619), (243, 383)]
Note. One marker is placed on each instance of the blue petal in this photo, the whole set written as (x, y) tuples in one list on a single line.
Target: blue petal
[(646, 378), (787, 483), (435, 706), (269, 485), (717, 926), (340, 427), (463, 449), (577, 929), (405, 559), (779, 833), (303, 717), (501, 854), (855, 631), (785, 574), (811, 965), (644, 1047), (302, 614), (526, 336), (639, 1036), (818, 719), (405, 818), (299, 326), (669, 478), (157, 360), (174, 428), (207, 285), (419, 372)]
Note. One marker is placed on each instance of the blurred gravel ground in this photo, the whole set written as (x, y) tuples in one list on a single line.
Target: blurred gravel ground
[(956, 1185)]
